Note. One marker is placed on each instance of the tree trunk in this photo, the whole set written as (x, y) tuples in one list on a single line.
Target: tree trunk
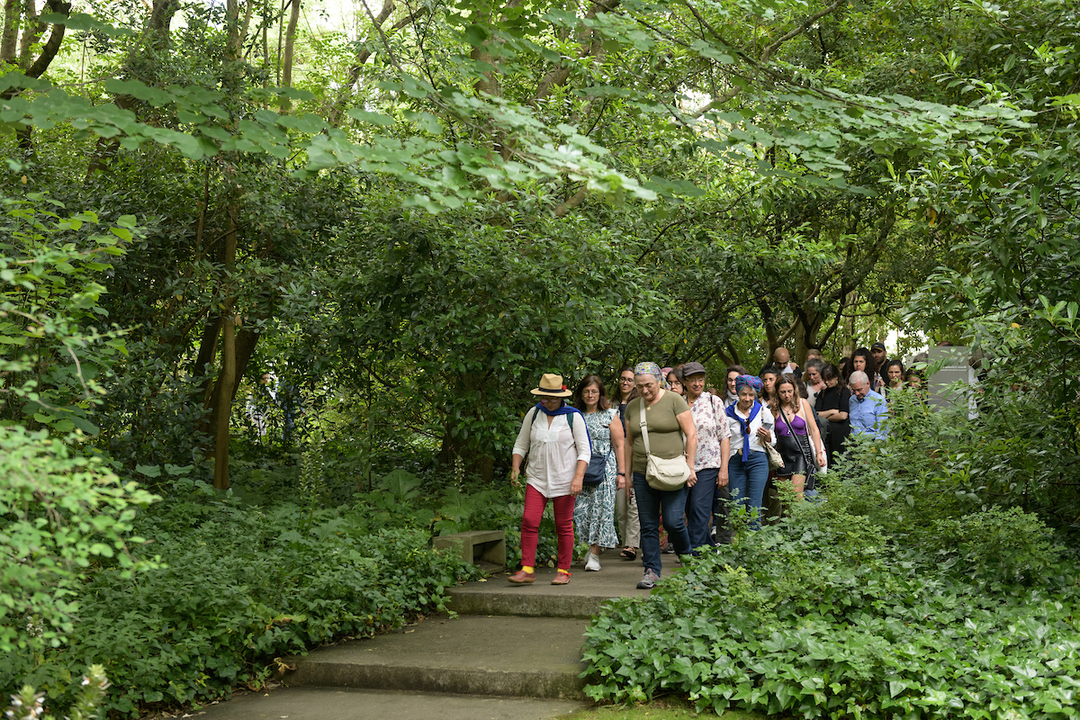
[(208, 346), (227, 376), (246, 340), (232, 27), (287, 59), (224, 404), (10, 36)]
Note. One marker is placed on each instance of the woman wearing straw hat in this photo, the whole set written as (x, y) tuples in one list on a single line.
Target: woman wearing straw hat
[(559, 450)]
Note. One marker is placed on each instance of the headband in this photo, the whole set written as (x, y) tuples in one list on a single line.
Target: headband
[(651, 368)]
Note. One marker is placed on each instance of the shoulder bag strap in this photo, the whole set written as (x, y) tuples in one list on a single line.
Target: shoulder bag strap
[(644, 427), (532, 421), (712, 403), (806, 451)]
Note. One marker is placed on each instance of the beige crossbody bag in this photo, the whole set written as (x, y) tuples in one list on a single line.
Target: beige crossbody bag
[(661, 473)]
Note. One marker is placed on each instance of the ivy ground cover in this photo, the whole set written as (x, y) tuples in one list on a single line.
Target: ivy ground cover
[(235, 588), (826, 617)]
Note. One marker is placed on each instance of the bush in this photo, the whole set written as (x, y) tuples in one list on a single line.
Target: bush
[(1016, 452), (239, 587), (27, 704), (62, 516), (995, 545), (824, 616), (403, 499)]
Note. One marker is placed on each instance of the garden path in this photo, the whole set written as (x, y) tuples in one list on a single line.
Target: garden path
[(512, 652)]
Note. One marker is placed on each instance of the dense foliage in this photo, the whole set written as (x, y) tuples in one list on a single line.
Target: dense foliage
[(828, 616), (920, 587), (340, 263), (63, 513), (235, 587)]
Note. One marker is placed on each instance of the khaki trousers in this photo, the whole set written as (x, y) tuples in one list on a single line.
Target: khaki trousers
[(627, 511)]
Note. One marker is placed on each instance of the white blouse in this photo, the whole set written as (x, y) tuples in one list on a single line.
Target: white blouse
[(764, 419), (554, 451)]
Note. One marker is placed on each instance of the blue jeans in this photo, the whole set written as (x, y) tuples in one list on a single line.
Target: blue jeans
[(650, 503), (699, 507), (747, 479)]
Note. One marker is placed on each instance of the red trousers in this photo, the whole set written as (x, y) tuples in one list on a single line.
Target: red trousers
[(530, 526)]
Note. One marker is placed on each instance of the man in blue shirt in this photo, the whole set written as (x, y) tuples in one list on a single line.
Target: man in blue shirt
[(867, 409)]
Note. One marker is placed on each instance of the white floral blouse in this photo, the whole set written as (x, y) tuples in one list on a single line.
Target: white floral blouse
[(712, 428)]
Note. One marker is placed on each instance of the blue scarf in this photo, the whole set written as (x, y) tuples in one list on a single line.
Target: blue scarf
[(745, 425)]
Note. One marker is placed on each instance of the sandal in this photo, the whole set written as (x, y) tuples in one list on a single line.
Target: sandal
[(629, 553)]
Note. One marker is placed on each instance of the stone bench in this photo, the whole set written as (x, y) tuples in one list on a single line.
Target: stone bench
[(481, 547)]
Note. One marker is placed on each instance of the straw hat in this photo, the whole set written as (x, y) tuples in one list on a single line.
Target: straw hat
[(552, 386)]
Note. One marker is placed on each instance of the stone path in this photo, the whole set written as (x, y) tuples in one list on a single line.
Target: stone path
[(513, 652)]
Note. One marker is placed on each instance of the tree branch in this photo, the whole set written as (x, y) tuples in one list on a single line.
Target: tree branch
[(364, 54), (769, 50), (589, 46), (52, 46)]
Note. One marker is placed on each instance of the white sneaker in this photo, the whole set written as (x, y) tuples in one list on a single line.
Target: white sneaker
[(592, 563)]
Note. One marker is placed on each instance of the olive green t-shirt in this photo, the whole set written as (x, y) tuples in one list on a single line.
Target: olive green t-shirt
[(665, 435)]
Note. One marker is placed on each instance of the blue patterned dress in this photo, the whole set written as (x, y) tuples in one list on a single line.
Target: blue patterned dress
[(594, 510)]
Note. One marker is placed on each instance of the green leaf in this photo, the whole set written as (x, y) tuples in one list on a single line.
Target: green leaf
[(706, 49), (475, 35), (372, 118)]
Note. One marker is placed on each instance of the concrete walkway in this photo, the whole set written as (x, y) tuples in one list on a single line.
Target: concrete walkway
[(514, 651)]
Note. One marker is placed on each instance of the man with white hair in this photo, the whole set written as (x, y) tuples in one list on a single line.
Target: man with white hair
[(867, 409)]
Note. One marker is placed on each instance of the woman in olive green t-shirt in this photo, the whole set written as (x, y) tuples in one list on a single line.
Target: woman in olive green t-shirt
[(668, 420)]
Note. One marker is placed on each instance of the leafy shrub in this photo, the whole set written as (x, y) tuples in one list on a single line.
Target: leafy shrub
[(27, 704), (239, 587), (62, 514), (54, 352), (822, 616), (995, 544), (944, 464), (403, 499)]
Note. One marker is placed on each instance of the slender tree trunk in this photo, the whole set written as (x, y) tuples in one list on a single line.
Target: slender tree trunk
[(266, 45), (287, 59), (224, 406), (246, 340), (207, 348), (280, 31), (227, 376), (10, 36), (232, 25)]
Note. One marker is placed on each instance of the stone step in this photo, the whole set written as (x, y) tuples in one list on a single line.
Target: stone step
[(580, 599), (304, 703), (471, 655)]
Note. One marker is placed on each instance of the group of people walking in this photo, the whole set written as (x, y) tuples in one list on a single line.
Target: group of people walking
[(664, 449)]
